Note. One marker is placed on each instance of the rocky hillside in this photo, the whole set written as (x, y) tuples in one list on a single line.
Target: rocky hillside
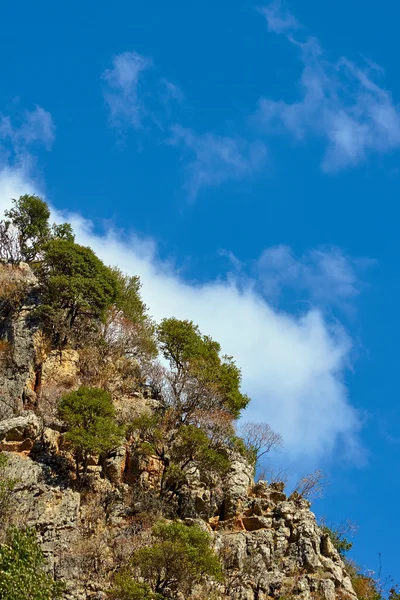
[(269, 545)]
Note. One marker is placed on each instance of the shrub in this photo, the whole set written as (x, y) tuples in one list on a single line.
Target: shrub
[(180, 557), (338, 535), (89, 414), (22, 574), (7, 485), (312, 486), (126, 588)]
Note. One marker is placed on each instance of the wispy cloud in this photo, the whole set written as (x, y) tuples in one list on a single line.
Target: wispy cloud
[(340, 102), (122, 88), (209, 159), (322, 277), (29, 128), (279, 19), (215, 159), (20, 136)]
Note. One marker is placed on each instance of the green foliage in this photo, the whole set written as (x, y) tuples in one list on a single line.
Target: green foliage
[(179, 557), (340, 542), (192, 444), (7, 485), (89, 414), (126, 588), (76, 281), (182, 450), (128, 297), (22, 575), (148, 427), (63, 232), (238, 445), (130, 312), (30, 216), (202, 378), (26, 230)]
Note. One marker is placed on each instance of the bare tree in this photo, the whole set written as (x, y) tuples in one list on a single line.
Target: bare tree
[(312, 486), (260, 439), (347, 527), (274, 475), (10, 251)]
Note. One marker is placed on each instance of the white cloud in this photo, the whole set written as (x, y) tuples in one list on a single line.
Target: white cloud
[(122, 89), (293, 366), (340, 103), (214, 159)]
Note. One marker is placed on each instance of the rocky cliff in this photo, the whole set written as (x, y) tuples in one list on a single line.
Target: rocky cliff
[(270, 545)]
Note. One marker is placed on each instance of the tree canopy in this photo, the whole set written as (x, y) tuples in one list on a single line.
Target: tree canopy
[(26, 229), (73, 278), (179, 557), (89, 415), (201, 379)]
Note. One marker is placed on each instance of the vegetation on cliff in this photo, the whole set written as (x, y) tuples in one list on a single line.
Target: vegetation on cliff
[(180, 440)]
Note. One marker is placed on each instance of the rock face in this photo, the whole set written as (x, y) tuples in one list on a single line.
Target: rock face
[(273, 548), (17, 332), (53, 511)]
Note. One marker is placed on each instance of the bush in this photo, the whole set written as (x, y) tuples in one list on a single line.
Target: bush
[(22, 575), (89, 414), (338, 539), (7, 485), (180, 557), (126, 588)]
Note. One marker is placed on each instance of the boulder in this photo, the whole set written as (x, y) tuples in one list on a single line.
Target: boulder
[(20, 433)]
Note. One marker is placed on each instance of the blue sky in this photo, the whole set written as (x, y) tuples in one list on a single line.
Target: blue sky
[(244, 160)]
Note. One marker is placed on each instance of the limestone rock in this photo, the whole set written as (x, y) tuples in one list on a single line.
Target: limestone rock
[(19, 433)]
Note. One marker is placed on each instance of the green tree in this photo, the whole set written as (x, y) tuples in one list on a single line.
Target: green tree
[(201, 379), (90, 416), (26, 229), (338, 539), (30, 217), (22, 574), (126, 588), (128, 327), (75, 281), (191, 451), (180, 557)]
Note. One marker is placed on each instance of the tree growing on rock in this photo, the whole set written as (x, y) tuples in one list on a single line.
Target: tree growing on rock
[(26, 229), (179, 557), (199, 378), (90, 417), (75, 281), (259, 439), (22, 573)]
